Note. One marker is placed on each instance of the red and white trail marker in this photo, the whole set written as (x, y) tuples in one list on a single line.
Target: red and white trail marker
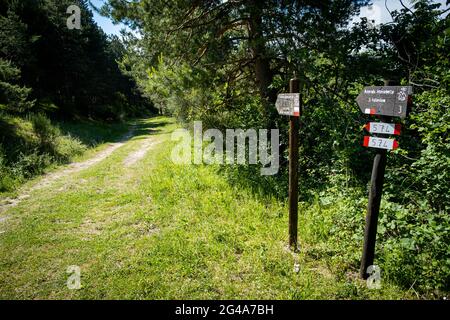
[(383, 128), (380, 143)]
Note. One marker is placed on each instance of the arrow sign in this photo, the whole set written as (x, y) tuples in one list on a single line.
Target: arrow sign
[(380, 143), (383, 128), (288, 104), (389, 101)]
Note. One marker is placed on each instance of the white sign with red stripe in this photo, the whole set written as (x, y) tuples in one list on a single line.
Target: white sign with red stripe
[(383, 128), (288, 104), (380, 143)]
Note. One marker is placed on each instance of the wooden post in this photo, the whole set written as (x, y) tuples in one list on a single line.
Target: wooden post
[(293, 169), (373, 207)]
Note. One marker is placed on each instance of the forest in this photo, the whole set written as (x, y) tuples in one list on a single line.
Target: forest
[(224, 63), (50, 71)]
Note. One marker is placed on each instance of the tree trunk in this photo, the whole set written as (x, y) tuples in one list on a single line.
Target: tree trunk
[(263, 73)]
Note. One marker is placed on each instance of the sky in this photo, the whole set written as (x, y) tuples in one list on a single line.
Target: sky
[(106, 23), (377, 11)]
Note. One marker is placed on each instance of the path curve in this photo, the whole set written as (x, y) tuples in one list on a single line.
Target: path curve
[(75, 167)]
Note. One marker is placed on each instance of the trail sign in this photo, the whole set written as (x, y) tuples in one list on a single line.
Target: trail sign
[(380, 143), (288, 104), (389, 101), (383, 128)]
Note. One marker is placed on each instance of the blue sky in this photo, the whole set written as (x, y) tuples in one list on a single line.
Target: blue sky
[(378, 11), (106, 23)]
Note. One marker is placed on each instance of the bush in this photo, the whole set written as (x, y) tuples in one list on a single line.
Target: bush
[(60, 147), (29, 145), (44, 130), (412, 246), (31, 164), (25, 166), (67, 147), (7, 181)]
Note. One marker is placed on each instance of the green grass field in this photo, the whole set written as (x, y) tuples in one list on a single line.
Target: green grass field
[(156, 230)]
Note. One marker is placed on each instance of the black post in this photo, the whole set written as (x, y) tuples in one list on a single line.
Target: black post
[(293, 169), (373, 207)]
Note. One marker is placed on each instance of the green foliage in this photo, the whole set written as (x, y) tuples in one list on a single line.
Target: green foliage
[(67, 147), (415, 247), (223, 63), (13, 98), (412, 245), (31, 164), (31, 145), (43, 128), (7, 180), (51, 140), (74, 72), (15, 45), (157, 236), (430, 173)]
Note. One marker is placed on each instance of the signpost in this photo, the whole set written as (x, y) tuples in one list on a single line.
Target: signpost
[(289, 104), (293, 163), (385, 101), (380, 143), (383, 128), (389, 101)]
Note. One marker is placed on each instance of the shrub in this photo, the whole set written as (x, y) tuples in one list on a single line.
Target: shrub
[(44, 130), (31, 164), (412, 246), (29, 145), (67, 147), (7, 181)]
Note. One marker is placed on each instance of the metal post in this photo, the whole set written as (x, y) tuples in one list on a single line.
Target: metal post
[(293, 169), (373, 209)]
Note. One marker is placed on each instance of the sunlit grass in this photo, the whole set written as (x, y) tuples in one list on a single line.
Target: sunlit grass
[(158, 230)]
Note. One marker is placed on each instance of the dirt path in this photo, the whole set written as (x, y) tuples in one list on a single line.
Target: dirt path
[(75, 167), (139, 154)]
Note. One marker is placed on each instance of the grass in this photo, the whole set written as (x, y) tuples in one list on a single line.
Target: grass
[(157, 230), (24, 155)]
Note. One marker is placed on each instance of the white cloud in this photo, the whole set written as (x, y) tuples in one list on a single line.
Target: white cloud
[(379, 10)]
